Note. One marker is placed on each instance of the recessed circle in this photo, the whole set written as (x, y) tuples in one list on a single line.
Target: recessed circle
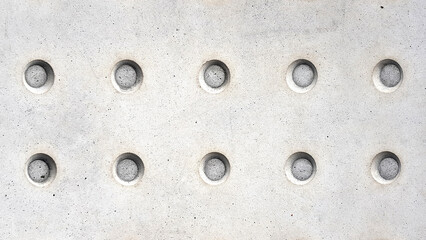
[(301, 76), (41, 169), (385, 167), (300, 168), (38, 76), (387, 75), (128, 168), (214, 76), (215, 168), (127, 76)]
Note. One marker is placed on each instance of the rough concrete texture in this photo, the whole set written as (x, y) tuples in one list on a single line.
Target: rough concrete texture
[(390, 75), (38, 171), (171, 122), (388, 168), (303, 75), (214, 76), (35, 76), (125, 76), (214, 169), (127, 170), (302, 169)]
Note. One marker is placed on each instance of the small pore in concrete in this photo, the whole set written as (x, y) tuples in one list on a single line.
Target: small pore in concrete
[(388, 168), (38, 171), (126, 76), (303, 75), (215, 76), (214, 169), (302, 169), (36, 76), (127, 170), (390, 75)]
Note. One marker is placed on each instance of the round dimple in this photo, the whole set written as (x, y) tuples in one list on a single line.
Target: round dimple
[(214, 169), (38, 171), (127, 170), (390, 75), (388, 168), (302, 169), (126, 76), (215, 76), (36, 76), (303, 75)]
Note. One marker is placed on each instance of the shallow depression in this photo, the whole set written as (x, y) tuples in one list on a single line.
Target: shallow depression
[(127, 170), (388, 168), (126, 76), (215, 169), (38, 171), (303, 75), (302, 169), (215, 76), (390, 75), (36, 76)]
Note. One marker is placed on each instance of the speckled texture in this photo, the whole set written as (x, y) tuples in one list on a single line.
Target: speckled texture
[(302, 169), (303, 75), (125, 76), (390, 75), (38, 171), (214, 169), (36, 76), (171, 122), (127, 170), (388, 168), (214, 76)]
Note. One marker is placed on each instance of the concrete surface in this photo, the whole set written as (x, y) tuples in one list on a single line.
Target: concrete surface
[(388, 168), (214, 76), (125, 75), (303, 75), (127, 170), (214, 169), (36, 76), (257, 120), (302, 169), (38, 171)]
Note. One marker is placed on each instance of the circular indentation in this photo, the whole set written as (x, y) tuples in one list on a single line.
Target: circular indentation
[(127, 76), (38, 76), (300, 168), (390, 75), (385, 167), (301, 76), (41, 169), (38, 170), (128, 169), (387, 75), (214, 76), (215, 168)]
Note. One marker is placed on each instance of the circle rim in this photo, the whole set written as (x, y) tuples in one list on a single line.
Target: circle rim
[(202, 165), (289, 164), (289, 76), (139, 76), (202, 81)]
